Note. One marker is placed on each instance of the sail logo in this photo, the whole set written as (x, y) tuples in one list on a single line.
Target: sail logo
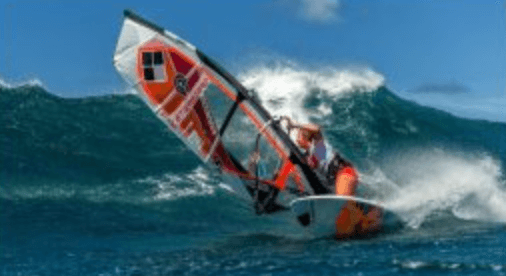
[(181, 83)]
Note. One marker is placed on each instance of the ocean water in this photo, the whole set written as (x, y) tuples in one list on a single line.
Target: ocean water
[(98, 186)]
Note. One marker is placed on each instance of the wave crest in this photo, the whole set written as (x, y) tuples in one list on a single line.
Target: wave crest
[(284, 87), (31, 83)]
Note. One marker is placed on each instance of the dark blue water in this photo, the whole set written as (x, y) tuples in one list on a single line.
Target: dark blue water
[(98, 186)]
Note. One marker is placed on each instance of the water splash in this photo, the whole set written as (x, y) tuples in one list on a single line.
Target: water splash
[(471, 188), (284, 87), (171, 187)]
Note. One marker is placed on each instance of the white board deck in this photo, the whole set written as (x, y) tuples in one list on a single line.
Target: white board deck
[(317, 214)]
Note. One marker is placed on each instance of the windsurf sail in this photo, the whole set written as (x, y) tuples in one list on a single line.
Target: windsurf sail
[(212, 113)]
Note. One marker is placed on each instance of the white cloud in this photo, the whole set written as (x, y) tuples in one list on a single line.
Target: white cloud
[(321, 11)]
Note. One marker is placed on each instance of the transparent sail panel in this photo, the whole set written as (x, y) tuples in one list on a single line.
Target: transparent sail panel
[(269, 160), (241, 139), (219, 104)]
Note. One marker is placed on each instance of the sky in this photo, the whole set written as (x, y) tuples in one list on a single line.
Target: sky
[(443, 53)]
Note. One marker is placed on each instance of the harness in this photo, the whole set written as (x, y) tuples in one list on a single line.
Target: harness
[(334, 166)]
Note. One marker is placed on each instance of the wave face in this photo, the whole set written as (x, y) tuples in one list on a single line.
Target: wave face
[(416, 159), (103, 138), (105, 172)]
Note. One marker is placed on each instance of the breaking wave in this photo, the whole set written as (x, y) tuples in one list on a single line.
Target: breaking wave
[(420, 179), (283, 88), (422, 162), (31, 83)]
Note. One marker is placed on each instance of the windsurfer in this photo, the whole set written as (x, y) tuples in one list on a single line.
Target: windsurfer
[(352, 220)]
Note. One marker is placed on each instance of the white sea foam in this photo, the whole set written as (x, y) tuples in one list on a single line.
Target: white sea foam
[(172, 186), (31, 82), (284, 87), (169, 186), (64, 191), (42, 191), (432, 181), (442, 266)]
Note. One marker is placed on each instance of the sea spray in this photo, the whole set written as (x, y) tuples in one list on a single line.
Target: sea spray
[(429, 181), (283, 88)]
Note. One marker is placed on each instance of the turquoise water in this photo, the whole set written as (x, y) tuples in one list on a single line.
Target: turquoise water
[(98, 186)]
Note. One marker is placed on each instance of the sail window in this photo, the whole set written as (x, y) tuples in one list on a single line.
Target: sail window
[(154, 67), (149, 74), (147, 59), (158, 58)]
